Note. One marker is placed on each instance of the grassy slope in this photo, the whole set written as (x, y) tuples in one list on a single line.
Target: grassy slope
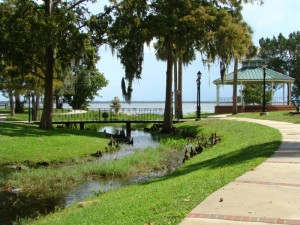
[(168, 199), (20, 142)]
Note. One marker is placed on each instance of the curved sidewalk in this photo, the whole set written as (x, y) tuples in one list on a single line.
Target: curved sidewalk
[(269, 194)]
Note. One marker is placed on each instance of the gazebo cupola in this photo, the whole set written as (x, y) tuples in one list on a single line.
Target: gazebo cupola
[(255, 62)]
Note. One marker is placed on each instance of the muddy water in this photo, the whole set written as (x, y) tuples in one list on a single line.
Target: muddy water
[(15, 205)]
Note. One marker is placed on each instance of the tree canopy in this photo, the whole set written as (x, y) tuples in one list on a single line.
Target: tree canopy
[(283, 55), (179, 27), (49, 37), (86, 86), (44, 39)]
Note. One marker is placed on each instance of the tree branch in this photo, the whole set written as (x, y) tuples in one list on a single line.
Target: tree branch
[(38, 75), (39, 65), (76, 4)]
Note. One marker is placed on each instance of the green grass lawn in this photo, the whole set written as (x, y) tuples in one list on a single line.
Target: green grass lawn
[(16, 117), (21, 142), (168, 199), (25, 115), (284, 116)]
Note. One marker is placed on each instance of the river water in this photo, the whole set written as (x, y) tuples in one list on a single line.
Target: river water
[(187, 107), (14, 205)]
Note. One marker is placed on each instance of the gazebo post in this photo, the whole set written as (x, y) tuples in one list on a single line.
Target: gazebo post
[(272, 94), (283, 95), (218, 94), (242, 95), (290, 93)]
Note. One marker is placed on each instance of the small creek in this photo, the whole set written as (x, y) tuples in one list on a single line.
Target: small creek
[(22, 205), (141, 140)]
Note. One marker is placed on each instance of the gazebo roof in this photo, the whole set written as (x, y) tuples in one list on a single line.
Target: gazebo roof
[(252, 71)]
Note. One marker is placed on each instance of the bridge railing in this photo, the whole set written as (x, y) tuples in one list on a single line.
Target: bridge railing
[(108, 114)]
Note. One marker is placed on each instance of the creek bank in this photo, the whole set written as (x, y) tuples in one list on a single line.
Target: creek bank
[(16, 205), (15, 202), (29, 204)]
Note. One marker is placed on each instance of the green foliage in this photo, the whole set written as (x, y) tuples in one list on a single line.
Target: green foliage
[(180, 28), (116, 104), (134, 26), (88, 82), (253, 94), (44, 38), (282, 55)]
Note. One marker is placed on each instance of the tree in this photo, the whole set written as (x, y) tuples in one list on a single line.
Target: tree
[(116, 104), (282, 55), (294, 61), (13, 84), (7, 86), (176, 25), (88, 83), (48, 36), (182, 57), (253, 94), (233, 39)]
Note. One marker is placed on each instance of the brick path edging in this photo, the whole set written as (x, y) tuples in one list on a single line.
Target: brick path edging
[(244, 218)]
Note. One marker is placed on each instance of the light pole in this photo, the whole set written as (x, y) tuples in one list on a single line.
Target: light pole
[(198, 95), (264, 106)]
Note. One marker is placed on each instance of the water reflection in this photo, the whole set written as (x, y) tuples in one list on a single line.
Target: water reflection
[(141, 140), (20, 205), (90, 188)]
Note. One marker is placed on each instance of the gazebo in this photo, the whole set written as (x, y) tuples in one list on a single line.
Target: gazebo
[(252, 72)]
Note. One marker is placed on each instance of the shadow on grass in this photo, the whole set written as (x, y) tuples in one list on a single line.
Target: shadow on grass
[(230, 159), (25, 130)]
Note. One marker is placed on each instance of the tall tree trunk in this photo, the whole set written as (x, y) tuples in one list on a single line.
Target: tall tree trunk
[(234, 94), (175, 89), (19, 106), (37, 107), (46, 120), (180, 110), (168, 120), (11, 103)]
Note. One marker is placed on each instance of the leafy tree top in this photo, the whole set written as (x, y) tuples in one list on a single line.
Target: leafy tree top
[(183, 26)]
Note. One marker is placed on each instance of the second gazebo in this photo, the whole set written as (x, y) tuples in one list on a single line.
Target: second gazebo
[(252, 72)]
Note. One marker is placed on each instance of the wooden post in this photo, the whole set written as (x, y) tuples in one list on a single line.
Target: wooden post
[(81, 125), (128, 130)]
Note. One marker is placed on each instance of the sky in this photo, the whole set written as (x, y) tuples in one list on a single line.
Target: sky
[(267, 20)]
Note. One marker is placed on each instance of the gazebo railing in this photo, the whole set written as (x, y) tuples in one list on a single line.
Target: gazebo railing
[(228, 101), (278, 101)]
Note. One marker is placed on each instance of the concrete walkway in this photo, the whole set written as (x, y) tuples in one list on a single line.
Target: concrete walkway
[(270, 194)]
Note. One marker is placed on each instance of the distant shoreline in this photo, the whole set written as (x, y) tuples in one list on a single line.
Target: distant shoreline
[(153, 102), (124, 102)]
